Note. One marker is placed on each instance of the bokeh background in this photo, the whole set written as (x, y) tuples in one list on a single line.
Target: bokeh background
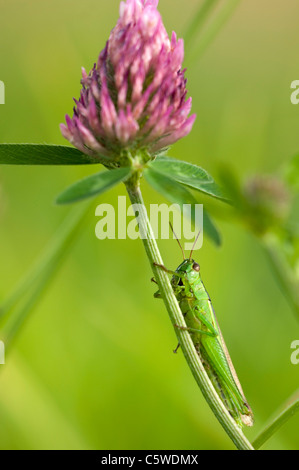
[(93, 366)]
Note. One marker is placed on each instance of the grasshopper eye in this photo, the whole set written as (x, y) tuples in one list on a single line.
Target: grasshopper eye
[(196, 267)]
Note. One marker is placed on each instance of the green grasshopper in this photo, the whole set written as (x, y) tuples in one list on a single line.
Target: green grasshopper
[(207, 338)]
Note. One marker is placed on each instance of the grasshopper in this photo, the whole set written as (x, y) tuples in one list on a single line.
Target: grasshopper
[(202, 324)]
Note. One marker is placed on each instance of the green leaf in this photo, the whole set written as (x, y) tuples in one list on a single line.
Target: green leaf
[(176, 193), (232, 187), (211, 229), (188, 174), (289, 409), (93, 185), (42, 154)]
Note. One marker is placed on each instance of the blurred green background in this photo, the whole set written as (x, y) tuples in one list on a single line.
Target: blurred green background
[(93, 365)]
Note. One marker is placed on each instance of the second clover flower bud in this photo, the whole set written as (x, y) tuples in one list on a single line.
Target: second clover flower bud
[(134, 99)]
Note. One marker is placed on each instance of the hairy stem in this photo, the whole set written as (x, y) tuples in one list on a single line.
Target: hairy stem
[(176, 317)]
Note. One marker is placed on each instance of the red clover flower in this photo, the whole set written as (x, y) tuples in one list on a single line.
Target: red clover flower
[(133, 102)]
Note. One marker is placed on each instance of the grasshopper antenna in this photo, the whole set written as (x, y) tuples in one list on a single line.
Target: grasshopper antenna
[(182, 250), (194, 244)]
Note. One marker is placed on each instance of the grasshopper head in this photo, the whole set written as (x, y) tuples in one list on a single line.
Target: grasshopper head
[(190, 268)]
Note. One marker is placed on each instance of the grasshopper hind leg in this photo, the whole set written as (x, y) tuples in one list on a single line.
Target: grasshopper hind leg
[(220, 387)]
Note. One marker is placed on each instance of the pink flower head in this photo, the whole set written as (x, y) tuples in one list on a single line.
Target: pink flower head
[(135, 96)]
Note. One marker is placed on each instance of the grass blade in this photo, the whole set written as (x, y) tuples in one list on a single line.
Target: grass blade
[(197, 21), (211, 32), (282, 271), (15, 310), (289, 409)]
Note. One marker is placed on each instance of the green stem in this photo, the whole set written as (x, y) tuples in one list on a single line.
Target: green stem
[(176, 317), (290, 408), (282, 272)]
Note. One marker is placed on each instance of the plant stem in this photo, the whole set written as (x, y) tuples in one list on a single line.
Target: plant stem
[(283, 272), (176, 317), (289, 409)]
